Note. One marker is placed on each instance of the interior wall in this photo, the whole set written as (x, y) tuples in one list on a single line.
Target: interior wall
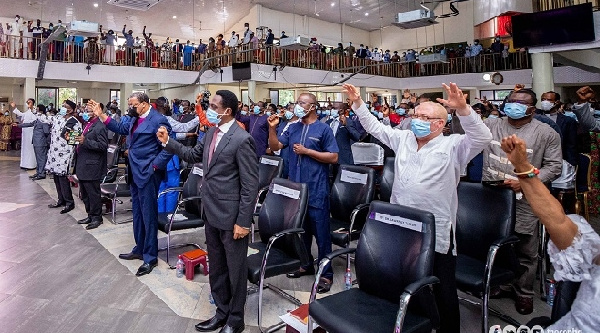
[(456, 29), (238, 27), (487, 9)]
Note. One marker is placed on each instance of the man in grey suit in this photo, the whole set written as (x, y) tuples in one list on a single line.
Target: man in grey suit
[(41, 140), (229, 190)]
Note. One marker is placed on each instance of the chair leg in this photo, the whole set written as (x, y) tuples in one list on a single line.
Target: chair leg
[(168, 247), (585, 206), (542, 262), (484, 310), (114, 209), (252, 231)]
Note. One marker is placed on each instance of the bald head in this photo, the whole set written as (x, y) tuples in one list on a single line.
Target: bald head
[(432, 110), (311, 98)]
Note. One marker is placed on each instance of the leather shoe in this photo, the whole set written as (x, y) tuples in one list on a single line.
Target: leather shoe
[(146, 268), (93, 225), (85, 220), (33, 176), (229, 329), (56, 205), (300, 272), (323, 286), (131, 256), (210, 325), (524, 305), (67, 209), (38, 178)]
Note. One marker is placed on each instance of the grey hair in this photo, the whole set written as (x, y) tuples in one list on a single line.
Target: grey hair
[(142, 97)]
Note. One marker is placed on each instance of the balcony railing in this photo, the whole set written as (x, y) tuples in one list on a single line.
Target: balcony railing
[(98, 53), (555, 4)]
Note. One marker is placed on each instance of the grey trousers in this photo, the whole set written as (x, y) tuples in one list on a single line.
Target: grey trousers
[(41, 155), (527, 253)]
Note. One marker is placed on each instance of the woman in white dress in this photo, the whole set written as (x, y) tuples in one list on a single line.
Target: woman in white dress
[(574, 247), (60, 155), (28, 161)]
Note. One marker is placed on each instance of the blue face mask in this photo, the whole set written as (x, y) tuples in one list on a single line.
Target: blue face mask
[(449, 118), (212, 116), (400, 111), (268, 113), (351, 113), (326, 113), (420, 128), (596, 113), (256, 109), (244, 113), (289, 115), (319, 112), (299, 111), (335, 114), (571, 114), (181, 109), (492, 116), (62, 111), (85, 116), (515, 110)]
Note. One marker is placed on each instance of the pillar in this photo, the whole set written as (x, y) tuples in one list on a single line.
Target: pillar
[(126, 90), (29, 90), (252, 91), (543, 74), (363, 93)]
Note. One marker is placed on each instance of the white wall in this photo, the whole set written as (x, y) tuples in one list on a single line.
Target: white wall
[(455, 29), (238, 27), (487, 9)]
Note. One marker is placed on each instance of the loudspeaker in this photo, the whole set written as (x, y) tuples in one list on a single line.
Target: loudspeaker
[(241, 71)]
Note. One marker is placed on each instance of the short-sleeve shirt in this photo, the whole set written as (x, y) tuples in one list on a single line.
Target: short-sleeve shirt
[(317, 136)]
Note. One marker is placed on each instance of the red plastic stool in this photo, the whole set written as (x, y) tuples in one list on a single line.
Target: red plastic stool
[(193, 258)]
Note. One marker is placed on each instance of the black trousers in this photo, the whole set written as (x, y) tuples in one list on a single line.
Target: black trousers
[(228, 273), (63, 189), (446, 297), (90, 194)]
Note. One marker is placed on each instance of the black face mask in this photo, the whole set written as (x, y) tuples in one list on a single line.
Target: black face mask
[(132, 112)]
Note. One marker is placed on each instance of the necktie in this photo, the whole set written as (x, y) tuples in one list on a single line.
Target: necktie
[(213, 144)]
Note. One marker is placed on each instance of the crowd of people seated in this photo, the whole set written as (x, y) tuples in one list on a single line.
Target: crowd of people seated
[(519, 147)]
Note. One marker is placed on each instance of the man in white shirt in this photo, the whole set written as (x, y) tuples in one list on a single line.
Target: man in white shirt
[(427, 171), (233, 42)]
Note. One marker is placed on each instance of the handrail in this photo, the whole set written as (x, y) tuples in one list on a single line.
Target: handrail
[(17, 47)]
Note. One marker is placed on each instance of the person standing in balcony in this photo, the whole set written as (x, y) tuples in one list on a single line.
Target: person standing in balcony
[(129, 41), (110, 53)]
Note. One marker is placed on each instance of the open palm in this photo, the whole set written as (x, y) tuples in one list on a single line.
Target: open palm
[(456, 99)]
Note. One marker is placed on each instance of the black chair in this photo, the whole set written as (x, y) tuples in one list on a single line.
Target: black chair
[(269, 168), (187, 214), (351, 194), (394, 263), (280, 249), (485, 227), (114, 185), (566, 292), (387, 179), (583, 185)]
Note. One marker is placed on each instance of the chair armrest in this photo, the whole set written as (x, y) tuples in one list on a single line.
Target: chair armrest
[(286, 232), (338, 253), (322, 264), (257, 204), (169, 190), (512, 239), (409, 291), (357, 210), (196, 197)]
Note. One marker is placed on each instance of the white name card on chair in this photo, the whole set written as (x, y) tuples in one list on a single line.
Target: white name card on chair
[(269, 161), (286, 191), (399, 221), (198, 171), (353, 177)]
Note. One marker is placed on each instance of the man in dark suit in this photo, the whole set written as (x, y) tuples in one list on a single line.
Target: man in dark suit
[(147, 164), (90, 167), (345, 135), (229, 190), (568, 126)]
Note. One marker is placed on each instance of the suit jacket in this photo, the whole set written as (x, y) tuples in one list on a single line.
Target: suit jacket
[(230, 181), (568, 128), (90, 156), (145, 150), (345, 137), (41, 132)]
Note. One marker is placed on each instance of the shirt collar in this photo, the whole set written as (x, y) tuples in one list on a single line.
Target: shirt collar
[(225, 127), (145, 114)]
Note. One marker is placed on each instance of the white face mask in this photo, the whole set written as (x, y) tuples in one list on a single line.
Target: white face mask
[(546, 105)]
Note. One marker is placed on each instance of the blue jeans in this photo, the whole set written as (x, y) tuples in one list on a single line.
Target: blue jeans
[(316, 224)]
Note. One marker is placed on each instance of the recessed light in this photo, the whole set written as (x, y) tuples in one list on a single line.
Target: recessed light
[(366, 14), (174, 16), (332, 4), (95, 5)]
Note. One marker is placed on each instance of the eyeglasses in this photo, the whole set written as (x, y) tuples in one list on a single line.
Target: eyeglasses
[(302, 103), (423, 117), (518, 101)]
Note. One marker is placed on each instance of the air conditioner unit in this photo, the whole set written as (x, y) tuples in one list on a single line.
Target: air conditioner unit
[(415, 19), (142, 5), (83, 28), (294, 43)]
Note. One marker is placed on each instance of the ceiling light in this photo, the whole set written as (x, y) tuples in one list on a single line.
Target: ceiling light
[(487, 77), (332, 4), (174, 16), (366, 14), (95, 5)]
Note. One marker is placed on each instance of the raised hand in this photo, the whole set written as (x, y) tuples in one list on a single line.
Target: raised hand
[(95, 107), (386, 111), (352, 92), (516, 153), (585, 94), (456, 99), (162, 134), (13, 105), (273, 120)]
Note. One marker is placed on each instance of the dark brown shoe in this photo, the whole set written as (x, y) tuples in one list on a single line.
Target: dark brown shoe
[(524, 305)]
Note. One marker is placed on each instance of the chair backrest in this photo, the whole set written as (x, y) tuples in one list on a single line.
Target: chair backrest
[(584, 173), (353, 185), (396, 247), (284, 208), (269, 168), (112, 155), (365, 153), (485, 214), (566, 291), (191, 188), (387, 179)]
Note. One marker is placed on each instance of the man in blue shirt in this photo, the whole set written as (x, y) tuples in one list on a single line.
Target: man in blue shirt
[(129, 41), (314, 148)]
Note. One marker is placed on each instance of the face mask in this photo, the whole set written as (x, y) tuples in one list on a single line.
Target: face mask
[(449, 118), (493, 116), (546, 105), (351, 113), (62, 111), (212, 116), (515, 110), (570, 114), (319, 112), (420, 128), (244, 113), (400, 111), (379, 115), (180, 109), (132, 112), (6, 113), (335, 114), (299, 111), (85, 116), (597, 113), (268, 113), (289, 115), (256, 109), (326, 113)]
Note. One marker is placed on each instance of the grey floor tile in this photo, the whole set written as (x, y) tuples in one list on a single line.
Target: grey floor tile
[(108, 320)]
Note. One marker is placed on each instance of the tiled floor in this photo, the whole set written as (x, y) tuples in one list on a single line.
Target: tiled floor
[(57, 277)]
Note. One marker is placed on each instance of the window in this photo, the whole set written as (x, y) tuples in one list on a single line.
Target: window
[(115, 94), (286, 96), (245, 97), (46, 96), (274, 95), (494, 96), (67, 93)]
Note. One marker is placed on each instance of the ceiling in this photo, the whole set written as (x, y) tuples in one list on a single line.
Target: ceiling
[(197, 19)]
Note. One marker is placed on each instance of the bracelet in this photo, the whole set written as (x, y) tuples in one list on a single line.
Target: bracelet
[(532, 173), (523, 173)]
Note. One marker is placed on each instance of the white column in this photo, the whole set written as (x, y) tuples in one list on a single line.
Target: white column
[(126, 90), (29, 89), (252, 90), (543, 75), (363, 93)]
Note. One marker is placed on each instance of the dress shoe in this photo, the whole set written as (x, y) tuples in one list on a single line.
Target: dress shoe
[(85, 220), (146, 268), (31, 177), (93, 225), (323, 286), (131, 256), (301, 272), (38, 178), (210, 325), (524, 305), (229, 329), (67, 209), (56, 205)]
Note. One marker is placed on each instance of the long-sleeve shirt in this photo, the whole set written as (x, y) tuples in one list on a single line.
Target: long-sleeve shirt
[(427, 178), (258, 127), (129, 41), (181, 129), (543, 151), (586, 118)]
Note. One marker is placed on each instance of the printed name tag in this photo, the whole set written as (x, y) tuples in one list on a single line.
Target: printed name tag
[(399, 221), (353, 177), (286, 191), (198, 171), (111, 150), (269, 161)]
